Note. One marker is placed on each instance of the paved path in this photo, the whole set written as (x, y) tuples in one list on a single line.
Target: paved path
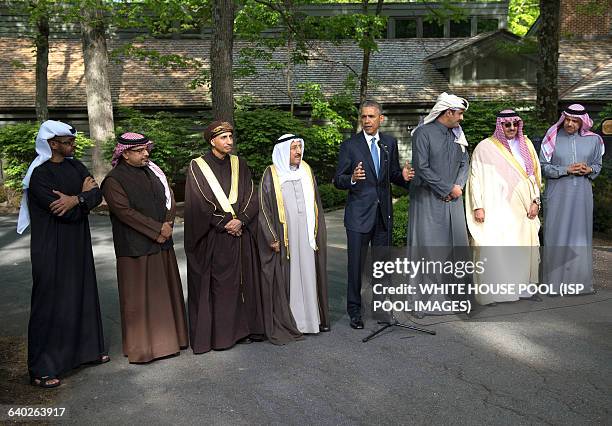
[(544, 363)]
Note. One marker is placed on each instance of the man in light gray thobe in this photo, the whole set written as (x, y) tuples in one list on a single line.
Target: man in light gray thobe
[(571, 159), (440, 161), (292, 244)]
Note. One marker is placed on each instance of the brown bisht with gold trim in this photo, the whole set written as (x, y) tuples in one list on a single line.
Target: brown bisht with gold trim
[(224, 298), (279, 322)]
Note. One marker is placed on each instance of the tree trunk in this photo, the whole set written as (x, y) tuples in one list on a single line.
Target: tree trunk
[(289, 74), (221, 60), (42, 63), (548, 51), (97, 87), (365, 64)]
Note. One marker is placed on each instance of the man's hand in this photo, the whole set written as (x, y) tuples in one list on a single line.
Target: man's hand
[(88, 184), (479, 215), (358, 173), (533, 211), (407, 172), (234, 227), (275, 246), (161, 239), (166, 230), (455, 192), (574, 168), (584, 169), (63, 204)]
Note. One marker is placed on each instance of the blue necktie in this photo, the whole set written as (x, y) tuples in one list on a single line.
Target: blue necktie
[(374, 153)]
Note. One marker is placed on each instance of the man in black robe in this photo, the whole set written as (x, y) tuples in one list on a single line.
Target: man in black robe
[(65, 328), (292, 246), (224, 297)]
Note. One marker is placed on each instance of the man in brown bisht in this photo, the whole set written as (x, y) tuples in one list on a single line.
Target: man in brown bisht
[(293, 246), (142, 209), (224, 299)]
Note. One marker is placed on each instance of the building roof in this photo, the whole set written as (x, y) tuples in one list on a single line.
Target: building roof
[(399, 70), (464, 43)]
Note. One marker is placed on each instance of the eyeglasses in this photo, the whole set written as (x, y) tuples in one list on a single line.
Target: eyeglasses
[(138, 150), (509, 124), (71, 142)]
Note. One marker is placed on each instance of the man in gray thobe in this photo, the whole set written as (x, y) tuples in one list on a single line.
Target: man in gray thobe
[(292, 244), (440, 161), (571, 160)]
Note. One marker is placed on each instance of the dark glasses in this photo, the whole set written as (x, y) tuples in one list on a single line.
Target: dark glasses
[(509, 124)]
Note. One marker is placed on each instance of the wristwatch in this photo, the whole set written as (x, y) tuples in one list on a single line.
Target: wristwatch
[(537, 201), (82, 202)]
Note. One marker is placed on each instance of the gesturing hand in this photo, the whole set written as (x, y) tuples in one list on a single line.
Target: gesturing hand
[(63, 204), (358, 173)]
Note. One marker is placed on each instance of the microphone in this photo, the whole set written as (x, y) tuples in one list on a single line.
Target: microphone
[(382, 146)]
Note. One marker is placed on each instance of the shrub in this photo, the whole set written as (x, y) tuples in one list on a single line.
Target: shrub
[(17, 147), (480, 120), (602, 187), (602, 200), (400, 222), (398, 191), (257, 132), (331, 196), (176, 139)]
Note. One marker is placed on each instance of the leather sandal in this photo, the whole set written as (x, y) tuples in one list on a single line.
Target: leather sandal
[(46, 382)]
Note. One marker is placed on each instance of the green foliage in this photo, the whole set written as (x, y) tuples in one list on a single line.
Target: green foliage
[(331, 117), (400, 222), (480, 120), (594, 8), (602, 200), (176, 139), (18, 148), (398, 191), (606, 112), (521, 15), (258, 131), (602, 186), (331, 196)]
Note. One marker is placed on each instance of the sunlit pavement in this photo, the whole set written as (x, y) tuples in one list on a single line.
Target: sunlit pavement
[(525, 362)]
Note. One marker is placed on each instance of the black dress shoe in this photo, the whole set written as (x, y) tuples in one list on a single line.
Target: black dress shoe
[(324, 328), (535, 298), (245, 341), (356, 323)]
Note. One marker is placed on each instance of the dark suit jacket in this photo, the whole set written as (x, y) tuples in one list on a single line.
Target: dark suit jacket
[(366, 196)]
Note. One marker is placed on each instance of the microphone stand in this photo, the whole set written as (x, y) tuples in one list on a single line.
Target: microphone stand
[(392, 322)]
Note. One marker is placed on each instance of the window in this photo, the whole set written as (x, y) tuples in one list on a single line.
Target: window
[(405, 28), (461, 28), (497, 67), (485, 25), (467, 71), (432, 30)]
